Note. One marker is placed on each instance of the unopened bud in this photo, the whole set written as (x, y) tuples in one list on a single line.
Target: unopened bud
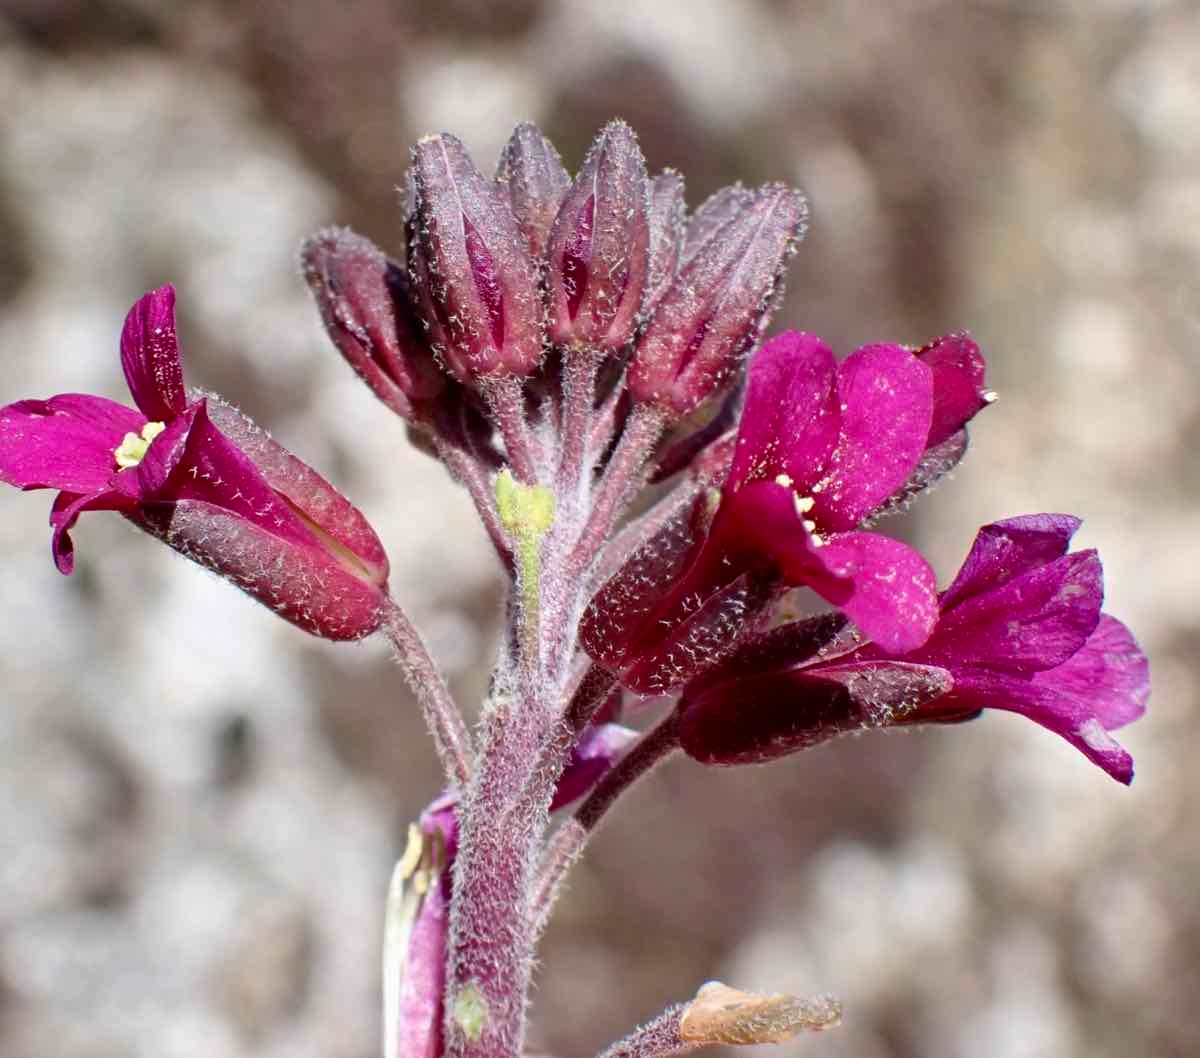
[(667, 212), (714, 213), (715, 310), (474, 276), (599, 246), (365, 305), (532, 175)]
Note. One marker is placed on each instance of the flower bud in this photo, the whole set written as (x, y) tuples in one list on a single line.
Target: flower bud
[(667, 210), (532, 175), (240, 504), (714, 213), (365, 305), (599, 246), (475, 281), (715, 310)]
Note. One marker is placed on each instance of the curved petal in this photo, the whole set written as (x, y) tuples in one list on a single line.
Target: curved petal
[(1110, 672), (790, 421), (1035, 621), (894, 596), (193, 460), (1003, 550), (886, 398), (66, 442), (1070, 715), (763, 520), (959, 392), (150, 356), (161, 457), (66, 510)]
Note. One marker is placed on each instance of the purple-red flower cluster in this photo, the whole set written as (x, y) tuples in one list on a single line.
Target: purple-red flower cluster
[(589, 334)]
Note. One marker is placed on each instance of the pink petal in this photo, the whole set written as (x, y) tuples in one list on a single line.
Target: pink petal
[(66, 510), (761, 520), (886, 398), (1003, 550), (1072, 716), (150, 356), (958, 384), (67, 442), (1110, 672), (884, 586), (894, 599), (790, 421), (1037, 620)]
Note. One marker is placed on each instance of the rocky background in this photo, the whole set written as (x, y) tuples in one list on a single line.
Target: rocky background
[(199, 806)]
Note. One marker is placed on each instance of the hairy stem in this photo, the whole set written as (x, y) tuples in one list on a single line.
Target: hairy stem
[(475, 479), (654, 748), (564, 848), (623, 476), (579, 395), (506, 401), (656, 1039), (441, 712)]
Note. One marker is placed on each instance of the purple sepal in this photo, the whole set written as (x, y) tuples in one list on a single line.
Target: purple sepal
[(369, 314), (532, 175), (715, 214), (417, 931), (598, 249), (713, 313), (666, 217), (761, 718), (471, 267)]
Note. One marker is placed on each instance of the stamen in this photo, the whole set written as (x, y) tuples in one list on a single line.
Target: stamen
[(132, 449)]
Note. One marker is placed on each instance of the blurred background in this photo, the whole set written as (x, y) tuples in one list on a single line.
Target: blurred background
[(200, 806)]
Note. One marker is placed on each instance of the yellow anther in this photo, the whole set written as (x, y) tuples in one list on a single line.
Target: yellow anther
[(132, 449)]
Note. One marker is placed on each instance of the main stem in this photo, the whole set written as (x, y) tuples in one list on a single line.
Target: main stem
[(528, 730)]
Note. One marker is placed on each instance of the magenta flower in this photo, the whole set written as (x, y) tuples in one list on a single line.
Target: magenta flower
[(820, 448), (1021, 629), (198, 474)]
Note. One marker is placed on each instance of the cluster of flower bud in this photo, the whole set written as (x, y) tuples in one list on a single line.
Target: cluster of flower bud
[(501, 272)]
